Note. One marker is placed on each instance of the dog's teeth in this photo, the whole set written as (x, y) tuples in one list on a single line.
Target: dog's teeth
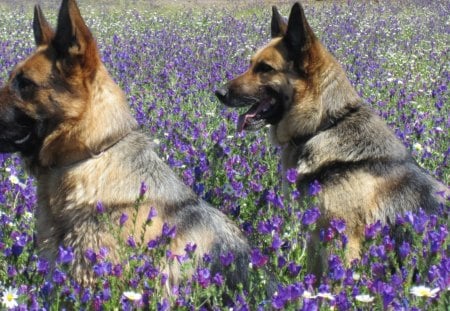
[(22, 140)]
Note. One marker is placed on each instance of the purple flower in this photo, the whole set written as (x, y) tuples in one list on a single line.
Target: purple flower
[(42, 266), (58, 277), (326, 235), (372, 230), (314, 188), (190, 248), (19, 244), (404, 250), (310, 216), (91, 255), (168, 231), (123, 219), (65, 255), (336, 269), (257, 258), (309, 280), (102, 268), (100, 207), (291, 175), (143, 189), (152, 213), (163, 306), (203, 277), (276, 242), (131, 242), (218, 279), (227, 259), (338, 225), (294, 269)]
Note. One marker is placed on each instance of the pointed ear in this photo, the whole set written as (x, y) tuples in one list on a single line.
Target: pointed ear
[(278, 24), (299, 34), (73, 39), (43, 33)]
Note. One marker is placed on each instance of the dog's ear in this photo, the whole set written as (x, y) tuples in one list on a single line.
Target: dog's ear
[(73, 40), (299, 34), (278, 24), (43, 33)]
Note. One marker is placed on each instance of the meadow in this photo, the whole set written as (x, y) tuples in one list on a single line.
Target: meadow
[(169, 59)]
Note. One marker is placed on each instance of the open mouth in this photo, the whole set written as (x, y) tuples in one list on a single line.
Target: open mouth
[(258, 115)]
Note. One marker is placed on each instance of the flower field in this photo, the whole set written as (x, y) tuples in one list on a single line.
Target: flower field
[(169, 59)]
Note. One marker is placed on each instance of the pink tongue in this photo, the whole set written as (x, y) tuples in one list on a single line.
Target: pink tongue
[(243, 120), (251, 113)]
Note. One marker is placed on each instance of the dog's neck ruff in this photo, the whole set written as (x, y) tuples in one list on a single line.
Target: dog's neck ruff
[(328, 124)]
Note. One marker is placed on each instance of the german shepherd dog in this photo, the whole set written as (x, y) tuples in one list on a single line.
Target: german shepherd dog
[(366, 174), (71, 124)]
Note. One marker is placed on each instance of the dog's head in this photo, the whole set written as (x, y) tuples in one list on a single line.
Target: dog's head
[(50, 103), (284, 83)]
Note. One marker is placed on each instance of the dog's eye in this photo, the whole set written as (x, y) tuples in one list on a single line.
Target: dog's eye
[(264, 68), (24, 83)]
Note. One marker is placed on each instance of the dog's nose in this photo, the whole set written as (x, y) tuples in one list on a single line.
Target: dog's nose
[(221, 94)]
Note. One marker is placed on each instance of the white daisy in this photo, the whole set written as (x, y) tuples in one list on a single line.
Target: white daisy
[(325, 295), (423, 291), (9, 298), (308, 295), (133, 296), (364, 298)]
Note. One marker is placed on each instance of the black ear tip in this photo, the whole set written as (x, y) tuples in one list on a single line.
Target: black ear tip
[(274, 9), (297, 7), (37, 9)]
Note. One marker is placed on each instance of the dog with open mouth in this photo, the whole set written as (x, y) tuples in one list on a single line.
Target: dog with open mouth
[(328, 135)]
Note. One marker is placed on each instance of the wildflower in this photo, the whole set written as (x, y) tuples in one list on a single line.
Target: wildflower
[(19, 244), (314, 188), (13, 179), (100, 207), (42, 266), (294, 269), (417, 147), (203, 277), (338, 225), (423, 291), (190, 248), (168, 231), (152, 214), (227, 259), (257, 258), (9, 298), (133, 296), (404, 250), (291, 175), (325, 295), (218, 279), (59, 277), (308, 295), (310, 216), (143, 189), (65, 255), (131, 242), (123, 219), (364, 298)]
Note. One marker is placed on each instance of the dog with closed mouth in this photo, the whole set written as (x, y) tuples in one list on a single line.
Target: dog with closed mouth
[(70, 122), (327, 134)]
